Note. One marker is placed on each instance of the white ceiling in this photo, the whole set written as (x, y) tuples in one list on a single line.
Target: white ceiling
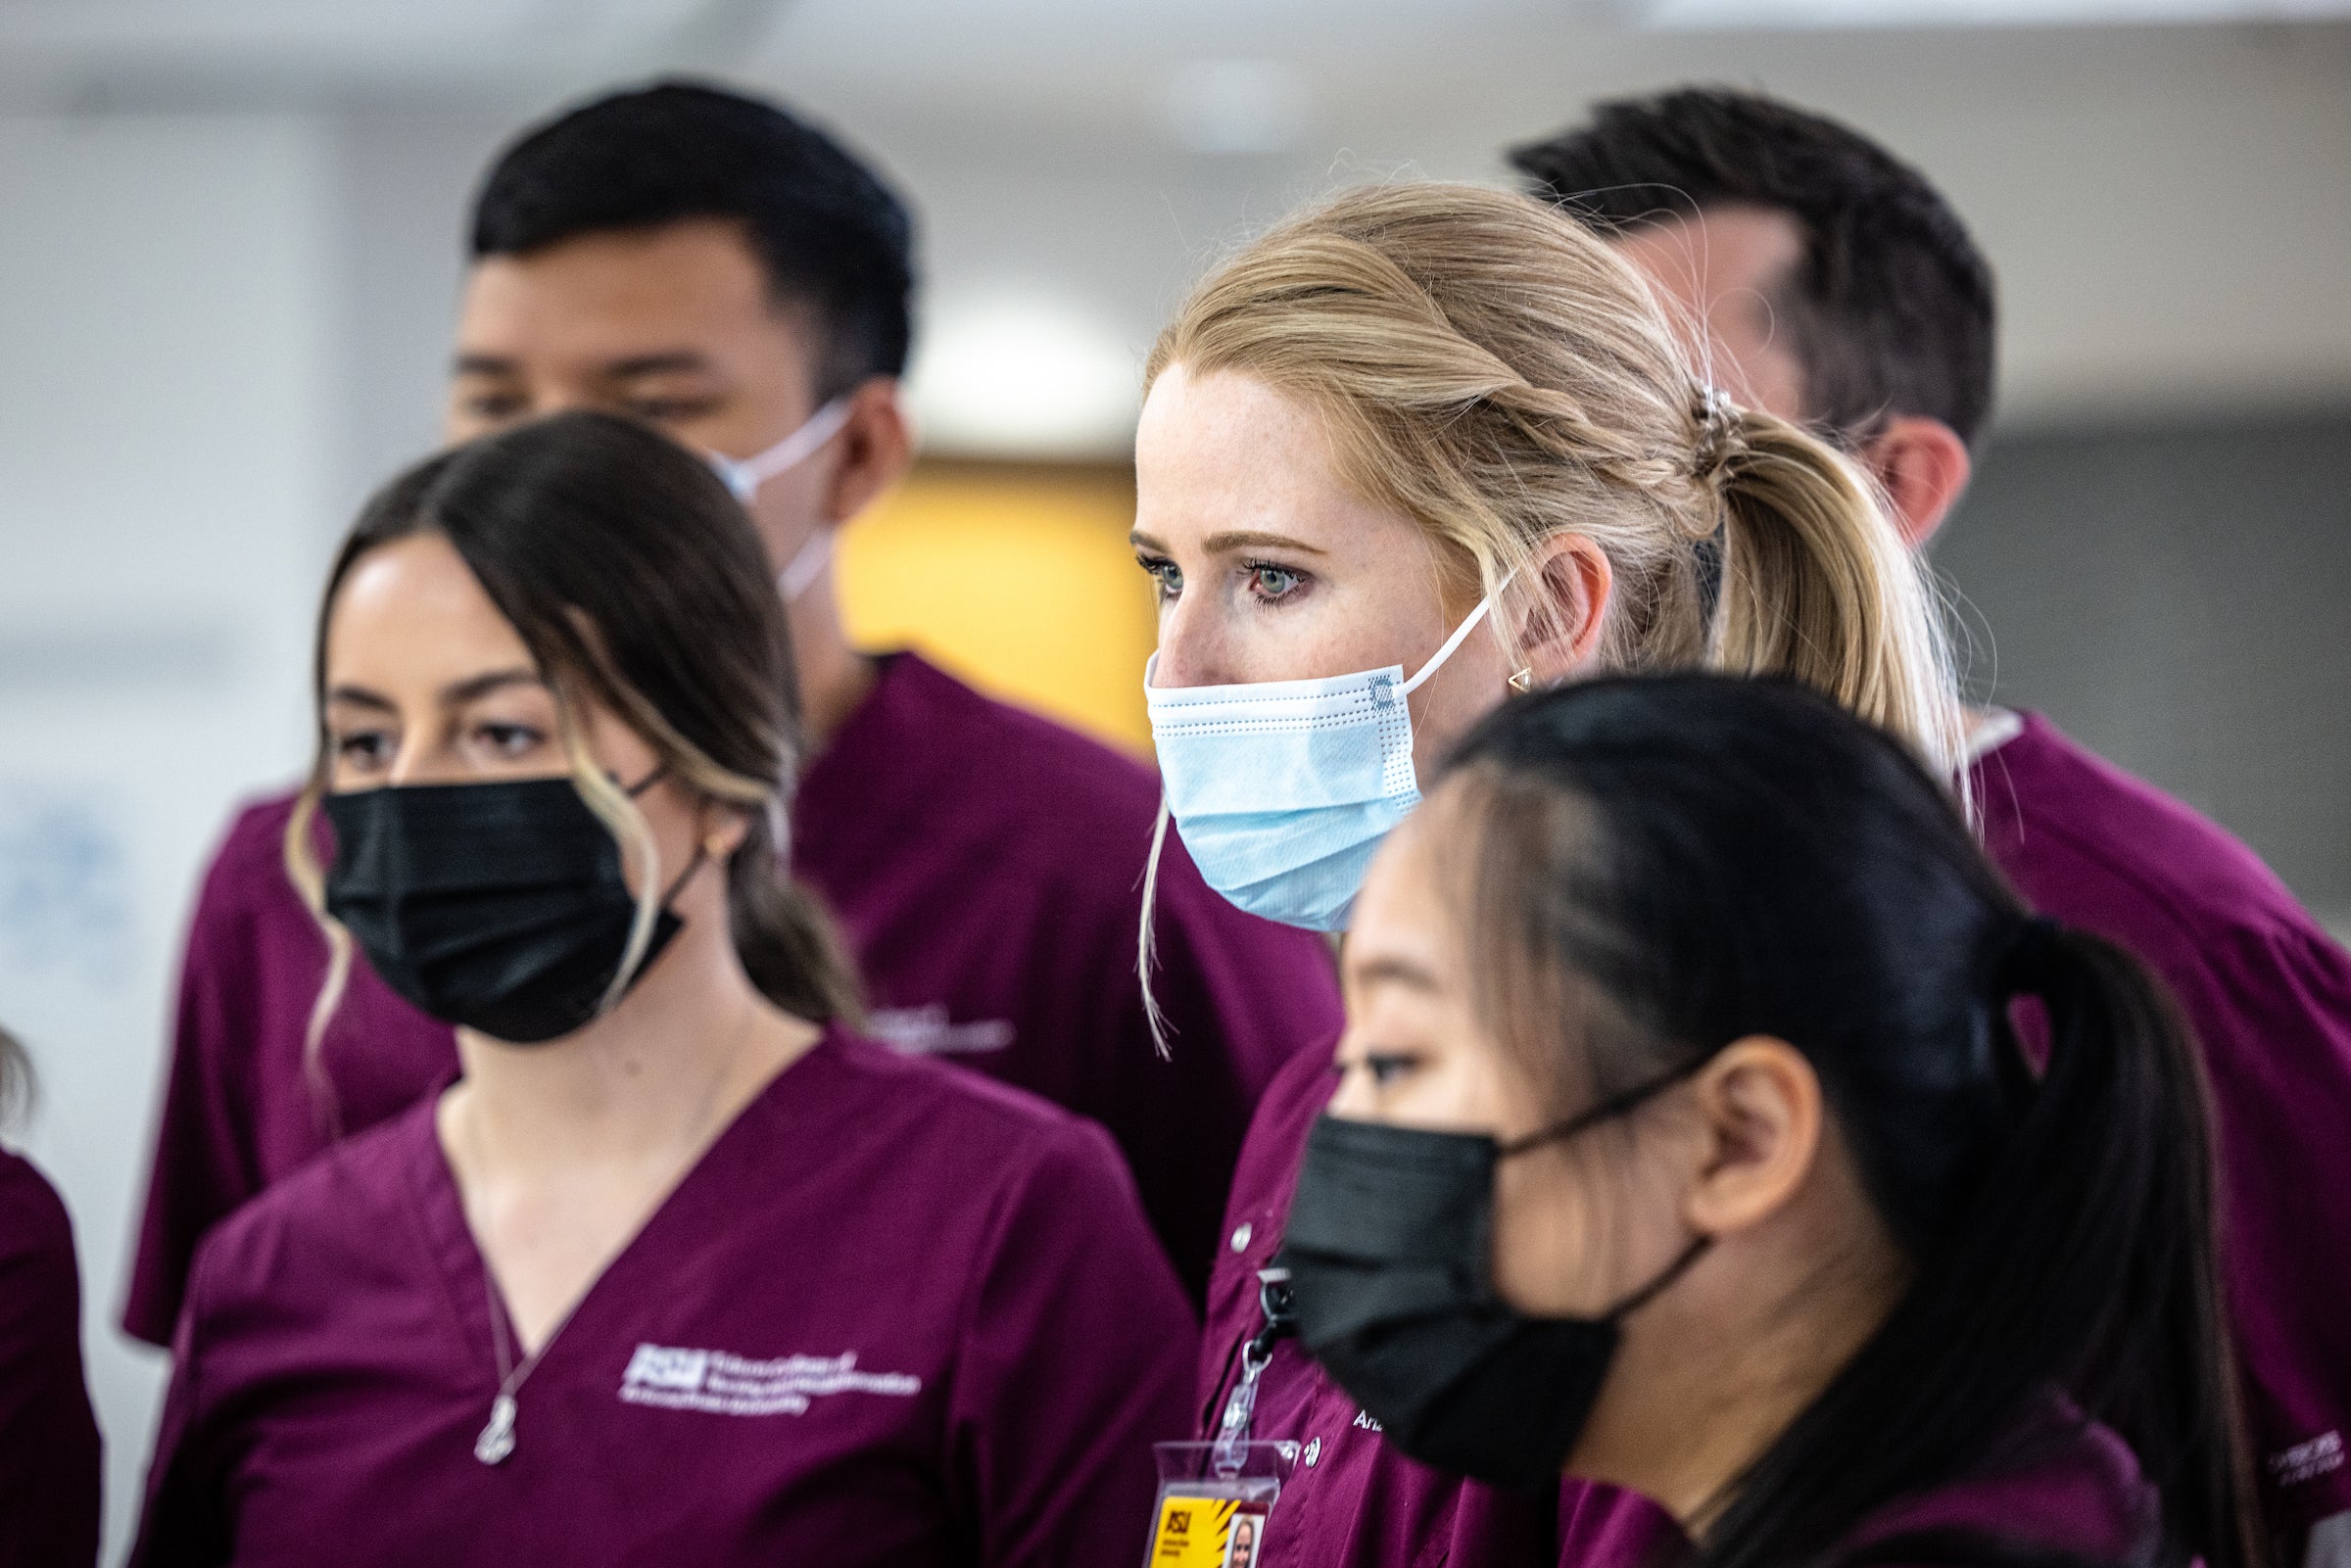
[(2169, 206)]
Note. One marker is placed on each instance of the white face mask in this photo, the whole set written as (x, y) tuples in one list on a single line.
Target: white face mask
[(806, 565), (745, 475), (1283, 789)]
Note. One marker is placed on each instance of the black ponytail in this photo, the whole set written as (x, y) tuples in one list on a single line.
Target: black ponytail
[(1713, 859), (2083, 1261)]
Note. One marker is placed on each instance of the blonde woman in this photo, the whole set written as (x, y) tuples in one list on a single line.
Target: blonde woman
[(1408, 453), (679, 1269)]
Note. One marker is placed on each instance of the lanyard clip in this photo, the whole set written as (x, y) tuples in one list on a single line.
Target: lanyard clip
[(1281, 1320), (1278, 1308)]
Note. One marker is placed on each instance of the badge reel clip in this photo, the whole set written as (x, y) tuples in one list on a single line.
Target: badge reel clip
[(1216, 1499)]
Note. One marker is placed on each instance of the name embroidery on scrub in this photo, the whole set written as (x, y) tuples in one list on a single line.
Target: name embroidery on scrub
[(1362, 1418), (2307, 1462), (718, 1383), (927, 1031)]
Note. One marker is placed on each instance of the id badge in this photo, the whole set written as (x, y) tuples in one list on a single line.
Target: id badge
[(1215, 1502)]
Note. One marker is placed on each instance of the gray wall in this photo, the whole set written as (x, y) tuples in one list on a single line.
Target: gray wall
[(2179, 597)]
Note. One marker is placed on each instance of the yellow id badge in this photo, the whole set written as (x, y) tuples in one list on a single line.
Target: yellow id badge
[(1216, 1502)]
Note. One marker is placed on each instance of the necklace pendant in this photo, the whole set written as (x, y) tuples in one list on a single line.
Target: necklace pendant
[(497, 1438)]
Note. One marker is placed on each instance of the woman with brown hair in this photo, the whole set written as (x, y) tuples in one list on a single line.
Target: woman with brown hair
[(679, 1269)]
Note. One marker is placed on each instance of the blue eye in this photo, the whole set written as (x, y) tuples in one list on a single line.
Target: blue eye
[(1270, 583), (1387, 1069), (1164, 573)]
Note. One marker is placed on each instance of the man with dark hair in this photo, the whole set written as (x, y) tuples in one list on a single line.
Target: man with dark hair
[(713, 265), (1837, 286), (1830, 283)]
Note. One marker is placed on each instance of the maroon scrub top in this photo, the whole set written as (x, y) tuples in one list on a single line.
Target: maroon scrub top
[(2269, 996), (2062, 1487), (987, 867), (1351, 1501), (897, 1314), (48, 1440), (2073, 1488)]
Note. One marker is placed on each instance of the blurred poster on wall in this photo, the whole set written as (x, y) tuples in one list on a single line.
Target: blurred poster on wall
[(1017, 578)]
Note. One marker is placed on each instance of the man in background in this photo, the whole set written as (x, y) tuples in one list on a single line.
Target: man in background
[(1833, 285), (713, 265)]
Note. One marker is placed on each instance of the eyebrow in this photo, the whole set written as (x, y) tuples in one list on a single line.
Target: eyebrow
[(1394, 971), (457, 695), (1232, 539), (475, 688), (359, 696), (673, 362)]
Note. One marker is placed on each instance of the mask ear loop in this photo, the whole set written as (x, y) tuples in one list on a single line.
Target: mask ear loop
[(1660, 1285), (1607, 1110), (1460, 635), (744, 476)]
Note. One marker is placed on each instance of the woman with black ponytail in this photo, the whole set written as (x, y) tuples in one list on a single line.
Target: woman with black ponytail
[(680, 1270), (1685, 1142)]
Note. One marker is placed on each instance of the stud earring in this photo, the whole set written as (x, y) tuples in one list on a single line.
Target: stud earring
[(1523, 681)]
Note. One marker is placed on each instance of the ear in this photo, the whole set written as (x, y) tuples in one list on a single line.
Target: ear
[(1923, 465), (1759, 1106), (877, 443), (723, 828), (1566, 604)]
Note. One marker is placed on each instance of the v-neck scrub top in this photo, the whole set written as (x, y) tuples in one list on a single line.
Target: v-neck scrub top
[(896, 1315), (985, 866)]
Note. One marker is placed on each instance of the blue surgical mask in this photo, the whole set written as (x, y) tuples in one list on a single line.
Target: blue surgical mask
[(1283, 789)]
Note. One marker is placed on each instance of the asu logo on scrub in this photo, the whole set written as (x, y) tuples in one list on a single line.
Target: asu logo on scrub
[(1204, 1532), (718, 1383)]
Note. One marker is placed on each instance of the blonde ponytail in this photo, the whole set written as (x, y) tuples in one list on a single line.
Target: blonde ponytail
[(1815, 584)]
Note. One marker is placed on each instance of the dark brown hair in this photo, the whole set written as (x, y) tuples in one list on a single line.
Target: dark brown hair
[(636, 581), (1891, 309)]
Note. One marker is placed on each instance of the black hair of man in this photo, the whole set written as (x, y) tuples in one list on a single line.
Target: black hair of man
[(833, 239), (1892, 310)]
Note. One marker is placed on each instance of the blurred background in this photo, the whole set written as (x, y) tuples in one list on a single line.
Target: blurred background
[(230, 241)]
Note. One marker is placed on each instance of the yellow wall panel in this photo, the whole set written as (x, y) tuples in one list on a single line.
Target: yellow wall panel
[(1019, 579)]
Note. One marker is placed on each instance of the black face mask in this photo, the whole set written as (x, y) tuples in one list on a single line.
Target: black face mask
[(497, 906), (1389, 1247)]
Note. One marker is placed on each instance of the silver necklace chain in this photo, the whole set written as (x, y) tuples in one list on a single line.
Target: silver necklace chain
[(497, 1438)]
